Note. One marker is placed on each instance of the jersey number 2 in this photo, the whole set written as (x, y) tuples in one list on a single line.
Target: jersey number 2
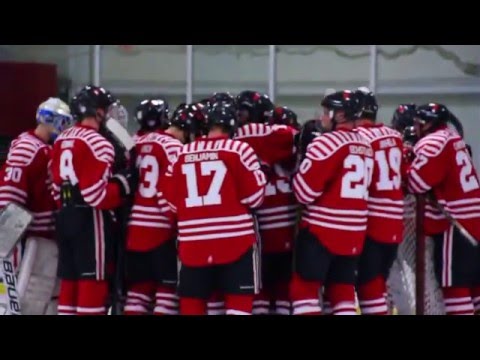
[(213, 196), (356, 181), (468, 180)]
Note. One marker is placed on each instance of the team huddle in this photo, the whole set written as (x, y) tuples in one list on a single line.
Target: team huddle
[(230, 206)]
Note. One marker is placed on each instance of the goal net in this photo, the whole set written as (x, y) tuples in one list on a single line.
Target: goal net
[(412, 286)]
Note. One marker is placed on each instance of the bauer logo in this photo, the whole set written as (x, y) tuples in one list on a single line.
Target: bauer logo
[(10, 287)]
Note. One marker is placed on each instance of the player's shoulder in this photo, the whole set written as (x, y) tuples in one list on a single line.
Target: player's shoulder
[(330, 143), (25, 149), (434, 143), (254, 130), (100, 147), (378, 132)]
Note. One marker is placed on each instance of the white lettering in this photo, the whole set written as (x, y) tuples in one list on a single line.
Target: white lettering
[(210, 156)]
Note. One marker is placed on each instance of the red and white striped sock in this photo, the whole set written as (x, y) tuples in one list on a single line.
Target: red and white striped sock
[(92, 297), (305, 296), (166, 302), (371, 297), (458, 301), (67, 300), (261, 303), (238, 304), (216, 305), (139, 298), (342, 297)]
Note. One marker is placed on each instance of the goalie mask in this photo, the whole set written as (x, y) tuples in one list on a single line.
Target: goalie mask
[(56, 114)]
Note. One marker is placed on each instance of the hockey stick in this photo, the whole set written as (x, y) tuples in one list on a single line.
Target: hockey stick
[(453, 221), (14, 221)]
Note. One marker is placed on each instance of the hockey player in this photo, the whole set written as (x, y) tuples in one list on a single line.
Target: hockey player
[(277, 222), (284, 116), (385, 206), (212, 188), (443, 167), (152, 254), (332, 183), (157, 119), (403, 117), (86, 190), (24, 180)]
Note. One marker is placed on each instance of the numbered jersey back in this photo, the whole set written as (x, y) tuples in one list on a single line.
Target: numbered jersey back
[(333, 183), (151, 221), (443, 163), (212, 187), (385, 201)]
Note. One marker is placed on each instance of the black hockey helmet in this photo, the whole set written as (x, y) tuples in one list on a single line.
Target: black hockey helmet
[(345, 101), (152, 114), (224, 117), (90, 99), (284, 116), (221, 97), (433, 113), (254, 107), (403, 117), (367, 104), (184, 119)]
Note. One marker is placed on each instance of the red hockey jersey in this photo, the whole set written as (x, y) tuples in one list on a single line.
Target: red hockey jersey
[(333, 183), (272, 143), (24, 180), (442, 163), (152, 222), (385, 200), (212, 187), (278, 214), (84, 157)]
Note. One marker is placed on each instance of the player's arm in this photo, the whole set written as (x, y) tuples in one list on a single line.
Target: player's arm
[(428, 168), (19, 173), (250, 179), (168, 158), (318, 167), (273, 144), (98, 188)]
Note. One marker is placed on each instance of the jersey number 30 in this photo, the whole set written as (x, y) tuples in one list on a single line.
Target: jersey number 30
[(213, 196)]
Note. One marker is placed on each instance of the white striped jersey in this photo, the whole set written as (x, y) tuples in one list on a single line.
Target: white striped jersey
[(151, 220), (24, 180), (442, 164), (333, 182), (385, 200), (272, 143), (84, 158), (212, 188), (277, 216)]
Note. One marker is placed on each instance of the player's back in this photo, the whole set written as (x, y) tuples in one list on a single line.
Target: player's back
[(83, 157), (332, 182), (151, 220), (24, 180), (278, 214), (385, 201), (443, 162), (212, 187)]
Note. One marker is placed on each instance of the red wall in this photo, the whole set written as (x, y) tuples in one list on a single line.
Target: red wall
[(23, 86)]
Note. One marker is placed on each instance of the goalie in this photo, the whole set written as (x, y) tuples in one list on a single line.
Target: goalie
[(23, 180)]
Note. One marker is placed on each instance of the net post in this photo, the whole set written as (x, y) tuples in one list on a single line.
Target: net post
[(420, 256)]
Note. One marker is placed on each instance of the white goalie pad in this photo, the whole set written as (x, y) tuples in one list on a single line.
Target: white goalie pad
[(37, 277), (14, 221)]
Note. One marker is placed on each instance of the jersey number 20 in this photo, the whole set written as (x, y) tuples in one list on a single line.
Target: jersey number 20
[(356, 181)]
